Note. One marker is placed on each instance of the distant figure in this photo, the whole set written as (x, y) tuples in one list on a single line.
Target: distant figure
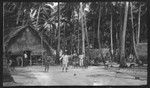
[(86, 62), (131, 58), (75, 61), (65, 61), (19, 61), (81, 59), (25, 55), (46, 62), (25, 59), (47, 65), (11, 64)]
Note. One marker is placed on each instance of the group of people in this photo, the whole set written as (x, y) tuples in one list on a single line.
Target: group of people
[(47, 59), (14, 61), (64, 59)]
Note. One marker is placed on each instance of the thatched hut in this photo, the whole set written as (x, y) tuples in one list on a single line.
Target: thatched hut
[(26, 39)]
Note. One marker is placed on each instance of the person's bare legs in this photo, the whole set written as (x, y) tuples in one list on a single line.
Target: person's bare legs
[(48, 69), (45, 68), (66, 69), (63, 67), (66, 66)]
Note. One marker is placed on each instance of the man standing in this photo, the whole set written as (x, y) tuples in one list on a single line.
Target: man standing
[(131, 58), (46, 61), (47, 65), (25, 58), (64, 58), (81, 59)]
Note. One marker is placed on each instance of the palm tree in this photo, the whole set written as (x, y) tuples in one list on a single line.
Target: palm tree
[(111, 33), (122, 63), (98, 33), (138, 37), (58, 46), (133, 35), (83, 32)]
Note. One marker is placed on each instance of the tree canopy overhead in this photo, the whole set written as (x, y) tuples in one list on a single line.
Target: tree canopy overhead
[(44, 17)]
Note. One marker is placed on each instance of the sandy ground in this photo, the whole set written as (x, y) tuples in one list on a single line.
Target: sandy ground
[(93, 75)]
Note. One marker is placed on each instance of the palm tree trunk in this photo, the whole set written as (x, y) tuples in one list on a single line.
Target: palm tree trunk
[(87, 39), (19, 13), (98, 33), (93, 34), (111, 33), (78, 35), (123, 61), (58, 47), (58, 28), (139, 19), (120, 34), (134, 46), (131, 15), (133, 35), (78, 41), (42, 45), (83, 32), (86, 32), (64, 43)]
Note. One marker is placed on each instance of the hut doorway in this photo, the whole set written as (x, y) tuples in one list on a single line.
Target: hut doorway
[(27, 58)]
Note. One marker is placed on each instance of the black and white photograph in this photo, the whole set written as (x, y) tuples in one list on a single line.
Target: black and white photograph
[(97, 43)]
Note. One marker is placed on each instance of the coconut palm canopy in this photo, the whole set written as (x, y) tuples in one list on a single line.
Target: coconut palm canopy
[(26, 38), (62, 25)]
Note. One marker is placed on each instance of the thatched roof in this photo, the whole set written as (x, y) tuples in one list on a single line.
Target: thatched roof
[(10, 38)]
